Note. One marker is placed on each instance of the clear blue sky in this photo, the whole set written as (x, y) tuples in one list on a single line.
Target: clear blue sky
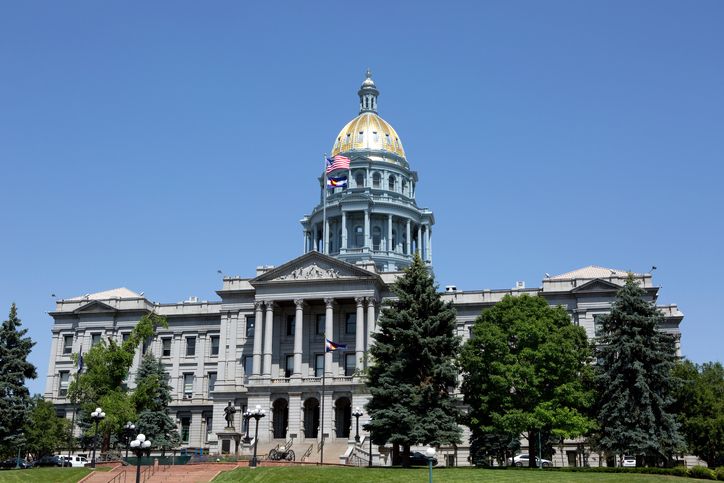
[(150, 144)]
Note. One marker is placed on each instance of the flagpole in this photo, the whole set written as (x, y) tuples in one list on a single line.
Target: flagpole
[(324, 210), (324, 372)]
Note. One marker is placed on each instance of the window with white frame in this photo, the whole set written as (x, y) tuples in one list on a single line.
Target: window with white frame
[(215, 345), (190, 346), (212, 382), (250, 322), (95, 339), (289, 365), (63, 381), (67, 344), (318, 365), (166, 347), (349, 364), (188, 385)]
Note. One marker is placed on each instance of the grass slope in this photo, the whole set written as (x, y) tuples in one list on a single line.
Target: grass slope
[(44, 475), (361, 475)]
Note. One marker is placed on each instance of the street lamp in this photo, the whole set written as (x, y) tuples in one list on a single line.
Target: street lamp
[(257, 413), (139, 445), (247, 417), (98, 415), (430, 453), (357, 413), (369, 424), (128, 431)]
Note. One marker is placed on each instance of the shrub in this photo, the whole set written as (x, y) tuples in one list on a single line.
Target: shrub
[(720, 473), (702, 473)]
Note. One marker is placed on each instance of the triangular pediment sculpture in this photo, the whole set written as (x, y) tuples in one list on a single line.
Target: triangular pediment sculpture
[(314, 266), (95, 306), (597, 285)]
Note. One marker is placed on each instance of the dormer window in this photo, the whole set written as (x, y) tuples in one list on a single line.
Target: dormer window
[(360, 136)]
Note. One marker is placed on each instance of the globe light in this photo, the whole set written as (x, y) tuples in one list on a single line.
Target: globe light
[(430, 452), (141, 437)]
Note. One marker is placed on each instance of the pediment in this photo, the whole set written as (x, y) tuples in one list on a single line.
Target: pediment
[(314, 266), (597, 285), (94, 307)]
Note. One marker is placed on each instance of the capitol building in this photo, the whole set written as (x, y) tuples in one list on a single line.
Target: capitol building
[(262, 342)]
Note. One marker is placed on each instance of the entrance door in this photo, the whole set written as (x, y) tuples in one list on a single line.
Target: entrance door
[(343, 417), (311, 418), (281, 418)]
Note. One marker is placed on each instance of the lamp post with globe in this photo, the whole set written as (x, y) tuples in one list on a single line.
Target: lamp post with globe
[(430, 453), (257, 413), (128, 430), (97, 416), (357, 413), (139, 445), (247, 417)]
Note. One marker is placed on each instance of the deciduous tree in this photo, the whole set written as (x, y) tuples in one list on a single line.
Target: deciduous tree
[(45, 432), (525, 371)]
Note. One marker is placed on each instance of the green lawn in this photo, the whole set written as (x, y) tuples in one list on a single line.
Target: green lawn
[(361, 475), (44, 475)]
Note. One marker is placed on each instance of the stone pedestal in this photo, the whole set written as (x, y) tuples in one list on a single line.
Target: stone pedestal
[(229, 441)]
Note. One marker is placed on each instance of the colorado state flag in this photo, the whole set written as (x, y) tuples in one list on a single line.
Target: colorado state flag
[(330, 346)]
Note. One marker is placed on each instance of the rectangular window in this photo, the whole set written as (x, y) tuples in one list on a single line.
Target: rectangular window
[(349, 364), (64, 379), (166, 347), (209, 426), (146, 345), (185, 427), (290, 324), (319, 329), (248, 364), (125, 336), (95, 339), (212, 382), (318, 365), (250, 323), (67, 344), (350, 323), (289, 366), (597, 325), (190, 346), (188, 385), (214, 345)]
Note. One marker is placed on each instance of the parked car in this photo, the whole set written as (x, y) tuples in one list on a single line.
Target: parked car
[(13, 463), (629, 462), (419, 459), (76, 461), (524, 460), (51, 461)]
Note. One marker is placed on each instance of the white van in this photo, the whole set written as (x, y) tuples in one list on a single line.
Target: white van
[(76, 461)]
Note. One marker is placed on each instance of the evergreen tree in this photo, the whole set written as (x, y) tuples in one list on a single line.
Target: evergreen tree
[(525, 372), (45, 432), (699, 405), (634, 379), (413, 366), (151, 399), (14, 369)]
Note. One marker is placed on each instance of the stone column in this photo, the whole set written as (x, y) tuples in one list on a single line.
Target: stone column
[(390, 247), (50, 384), (344, 231), (328, 333), (419, 240), (268, 337), (314, 237), (408, 241), (359, 341), (370, 322), (298, 333), (429, 243), (367, 229), (258, 322), (328, 237)]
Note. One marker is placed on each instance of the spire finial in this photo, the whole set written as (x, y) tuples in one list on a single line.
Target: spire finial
[(368, 94)]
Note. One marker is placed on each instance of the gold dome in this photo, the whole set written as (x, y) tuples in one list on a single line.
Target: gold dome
[(368, 131)]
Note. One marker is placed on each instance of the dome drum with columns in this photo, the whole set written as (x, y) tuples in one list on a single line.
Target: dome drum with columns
[(375, 219)]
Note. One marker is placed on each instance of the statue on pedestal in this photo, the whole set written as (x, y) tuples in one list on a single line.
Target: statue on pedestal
[(229, 415)]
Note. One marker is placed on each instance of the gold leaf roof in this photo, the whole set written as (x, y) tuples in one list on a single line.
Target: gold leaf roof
[(368, 131)]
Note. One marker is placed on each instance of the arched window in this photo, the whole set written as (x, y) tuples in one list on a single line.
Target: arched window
[(359, 237), (391, 183), (376, 238), (376, 180), (359, 179)]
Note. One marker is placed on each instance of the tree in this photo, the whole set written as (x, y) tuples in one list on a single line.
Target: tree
[(634, 379), (413, 366), (14, 369), (151, 399), (525, 371), (102, 384), (45, 432), (699, 405)]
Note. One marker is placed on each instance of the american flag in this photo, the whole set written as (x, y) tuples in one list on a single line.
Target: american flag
[(337, 162)]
